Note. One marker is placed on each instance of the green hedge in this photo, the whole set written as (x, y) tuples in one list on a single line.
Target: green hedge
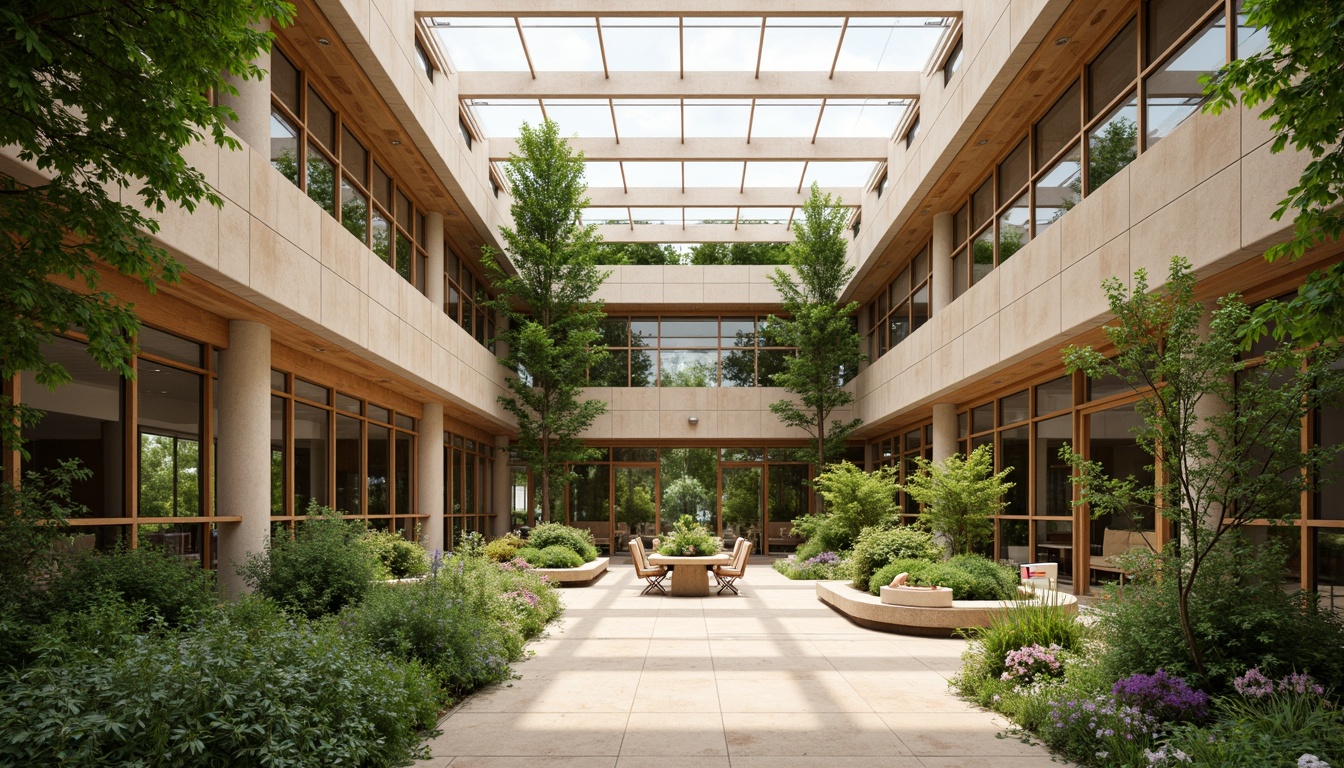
[(969, 576)]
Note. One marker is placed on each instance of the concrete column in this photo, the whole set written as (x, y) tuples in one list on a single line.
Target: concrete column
[(434, 248), (944, 430), (244, 440), (252, 104), (941, 266), (503, 490), (429, 491)]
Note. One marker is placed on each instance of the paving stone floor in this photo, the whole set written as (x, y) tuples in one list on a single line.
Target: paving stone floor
[(772, 677)]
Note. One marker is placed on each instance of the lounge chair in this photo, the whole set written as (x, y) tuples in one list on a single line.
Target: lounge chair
[(652, 574), (729, 574)]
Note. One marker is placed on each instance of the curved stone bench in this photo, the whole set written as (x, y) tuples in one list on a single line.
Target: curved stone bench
[(582, 576), (868, 611)]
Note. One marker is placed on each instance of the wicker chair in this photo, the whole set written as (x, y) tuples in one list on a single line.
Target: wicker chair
[(729, 574), (652, 574)]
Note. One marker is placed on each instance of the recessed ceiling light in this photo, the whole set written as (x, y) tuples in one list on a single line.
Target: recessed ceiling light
[(323, 41), (1061, 41), (319, 349), (982, 142), (396, 142)]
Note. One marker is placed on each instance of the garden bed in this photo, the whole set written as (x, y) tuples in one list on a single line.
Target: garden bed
[(583, 576), (869, 611)]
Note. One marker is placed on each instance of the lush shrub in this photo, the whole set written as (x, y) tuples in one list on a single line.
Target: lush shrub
[(325, 567), (170, 588), (690, 538), (960, 496), (878, 546), (504, 548), (827, 565), (400, 559), (1264, 723), (967, 581), (576, 540), (464, 625), (1240, 615), (854, 500), (1004, 577), (554, 556), (260, 691)]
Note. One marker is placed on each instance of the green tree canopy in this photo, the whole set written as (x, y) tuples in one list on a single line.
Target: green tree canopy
[(1225, 435), (1299, 78), (637, 253), (819, 327), (740, 253), (959, 497), (554, 332), (101, 97)]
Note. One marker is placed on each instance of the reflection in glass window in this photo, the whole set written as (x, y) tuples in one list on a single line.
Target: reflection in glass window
[(1059, 189), (688, 368), (311, 436), (1174, 92), (1112, 145), (1014, 227), (285, 148), (354, 211), (170, 433), (321, 180)]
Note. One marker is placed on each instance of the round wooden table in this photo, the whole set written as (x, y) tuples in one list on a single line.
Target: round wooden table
[(687, 578)]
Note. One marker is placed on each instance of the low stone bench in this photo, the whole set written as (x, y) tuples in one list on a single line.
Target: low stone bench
[(869, 611), (582, 576)]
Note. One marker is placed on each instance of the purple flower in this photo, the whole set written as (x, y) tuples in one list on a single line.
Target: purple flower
[(824, 558), (1164, 696), (1253, 684)]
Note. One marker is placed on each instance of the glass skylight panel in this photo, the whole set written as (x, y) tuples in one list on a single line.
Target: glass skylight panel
[(861, 118), (648, 118), (721, 44), (839, 174), (504, 117), (656, 215), (481, 44), (588, 118), (764, 215), (559, 44), (606, 216), (641, 45), (717, 118), (889, 44), (785, 118), (602, 174), (710, 215), (782, 174), (797, 44), (653, 174), (714, 174)]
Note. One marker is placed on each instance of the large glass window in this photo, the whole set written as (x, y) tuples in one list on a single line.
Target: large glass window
[(688, 352), (1174, 92)]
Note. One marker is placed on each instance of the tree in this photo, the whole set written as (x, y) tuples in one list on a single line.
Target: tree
[(1108, 152), (959, 497), (554, 322), (1299, 77), (854, 500), (819, 327), (740, 253), (101, 97), (637, 253), (1224, 433)]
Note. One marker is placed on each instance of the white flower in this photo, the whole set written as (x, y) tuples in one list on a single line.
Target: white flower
[(1311, 761)]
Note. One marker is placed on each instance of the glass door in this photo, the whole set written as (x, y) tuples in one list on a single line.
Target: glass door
[(742, 504), (788, 494), (633, 499)]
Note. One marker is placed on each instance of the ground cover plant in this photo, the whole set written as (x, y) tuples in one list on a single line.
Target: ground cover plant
[(824, 566)]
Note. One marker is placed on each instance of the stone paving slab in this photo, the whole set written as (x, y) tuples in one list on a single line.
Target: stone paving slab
[(771, 678)]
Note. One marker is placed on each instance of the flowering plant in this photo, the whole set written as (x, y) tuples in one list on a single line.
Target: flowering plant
[(1166, 697), (1254, 685), (689, 538), (1031, 662), (1100, 728)]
